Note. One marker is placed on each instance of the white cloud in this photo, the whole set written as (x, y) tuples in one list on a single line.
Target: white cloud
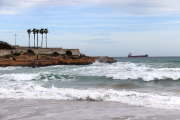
[(8, 12), (146, 7)]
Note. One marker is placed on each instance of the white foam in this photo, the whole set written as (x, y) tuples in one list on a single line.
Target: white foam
[(126, 70), (45, 76), (18, 76), (119, 70), (130, 97), (9, 68)]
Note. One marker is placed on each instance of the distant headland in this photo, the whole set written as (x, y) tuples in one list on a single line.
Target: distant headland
[(39, 57)]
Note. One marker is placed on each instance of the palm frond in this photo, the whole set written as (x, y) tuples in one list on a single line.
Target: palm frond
[(29, 31)]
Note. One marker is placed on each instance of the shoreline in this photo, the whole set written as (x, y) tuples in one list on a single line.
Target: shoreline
[(55, 61), (30, 109)]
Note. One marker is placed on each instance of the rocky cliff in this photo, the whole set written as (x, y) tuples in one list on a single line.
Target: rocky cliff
[(54, 61)]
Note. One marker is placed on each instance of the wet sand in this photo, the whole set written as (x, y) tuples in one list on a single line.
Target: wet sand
[(80, 110)]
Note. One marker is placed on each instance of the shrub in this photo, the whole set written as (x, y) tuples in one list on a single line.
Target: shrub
[(16, 54), (5, 45), (68, 52), (30, 52), (74, 58), (82, 55), (55, 54), (7, 56)]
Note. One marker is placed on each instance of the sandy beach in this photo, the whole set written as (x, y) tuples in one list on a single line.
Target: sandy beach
[(26, 109)]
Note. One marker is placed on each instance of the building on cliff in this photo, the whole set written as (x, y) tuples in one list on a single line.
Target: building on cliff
[(21, 49)]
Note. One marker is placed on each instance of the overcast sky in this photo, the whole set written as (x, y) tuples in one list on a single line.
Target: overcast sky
[(96, 27)]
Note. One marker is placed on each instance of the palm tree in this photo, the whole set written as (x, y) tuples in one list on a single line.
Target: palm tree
[(37, 31), (29, 32), (42, 31), (34, 32), (46, 31)]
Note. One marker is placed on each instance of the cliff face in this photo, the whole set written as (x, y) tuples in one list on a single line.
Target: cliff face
[(55, 61)]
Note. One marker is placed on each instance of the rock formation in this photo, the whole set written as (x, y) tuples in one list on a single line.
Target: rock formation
[(37, 60)]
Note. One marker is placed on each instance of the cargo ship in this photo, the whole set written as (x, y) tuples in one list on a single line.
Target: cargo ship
[(130, 55)]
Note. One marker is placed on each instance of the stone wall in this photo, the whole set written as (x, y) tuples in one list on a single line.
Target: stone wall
[(39, 51), (5, 52), (11, 51)]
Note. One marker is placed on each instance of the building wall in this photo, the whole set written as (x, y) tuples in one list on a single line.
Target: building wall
[(39, 51)]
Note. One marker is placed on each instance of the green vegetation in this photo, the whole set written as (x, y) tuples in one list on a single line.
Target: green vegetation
[(74, 58), (25, 53), (82, 55), (17, 54), (30, 52), (5, 45), (36, 31), (46, 31), (7, 56), (68, 52), (29, 32), (55, 54), (46, 54), (42, 32)]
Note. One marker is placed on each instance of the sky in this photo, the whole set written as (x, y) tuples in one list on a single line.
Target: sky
[(96, 27)]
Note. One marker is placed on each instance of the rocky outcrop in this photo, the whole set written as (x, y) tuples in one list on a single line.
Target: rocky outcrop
[(105, 59), (53, 61)]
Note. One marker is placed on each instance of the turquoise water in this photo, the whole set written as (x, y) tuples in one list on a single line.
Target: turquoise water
[(149, 82)]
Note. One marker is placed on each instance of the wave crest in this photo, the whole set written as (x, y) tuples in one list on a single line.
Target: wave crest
[(129, 97)]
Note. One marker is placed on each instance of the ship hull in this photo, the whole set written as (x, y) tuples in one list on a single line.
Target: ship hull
[(139, 56)]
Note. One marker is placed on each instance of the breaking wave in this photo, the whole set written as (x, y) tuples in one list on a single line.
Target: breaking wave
[(129, 97), (119, 70), (35, 77), (127, 70)]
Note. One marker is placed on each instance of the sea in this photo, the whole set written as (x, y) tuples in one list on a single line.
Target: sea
[(130, 89)]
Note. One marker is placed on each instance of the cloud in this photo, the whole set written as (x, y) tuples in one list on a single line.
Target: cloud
[(8, 12), (140, 7)]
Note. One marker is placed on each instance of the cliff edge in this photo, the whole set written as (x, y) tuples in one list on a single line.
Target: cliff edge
[(54, 61)]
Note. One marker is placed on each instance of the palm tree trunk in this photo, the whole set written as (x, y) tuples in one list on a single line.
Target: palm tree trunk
[(29, 40), (42, 42), (34, 41), (46, 41), (37, 41)]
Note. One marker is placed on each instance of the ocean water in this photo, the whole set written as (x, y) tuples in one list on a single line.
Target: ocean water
[(150, 83)]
